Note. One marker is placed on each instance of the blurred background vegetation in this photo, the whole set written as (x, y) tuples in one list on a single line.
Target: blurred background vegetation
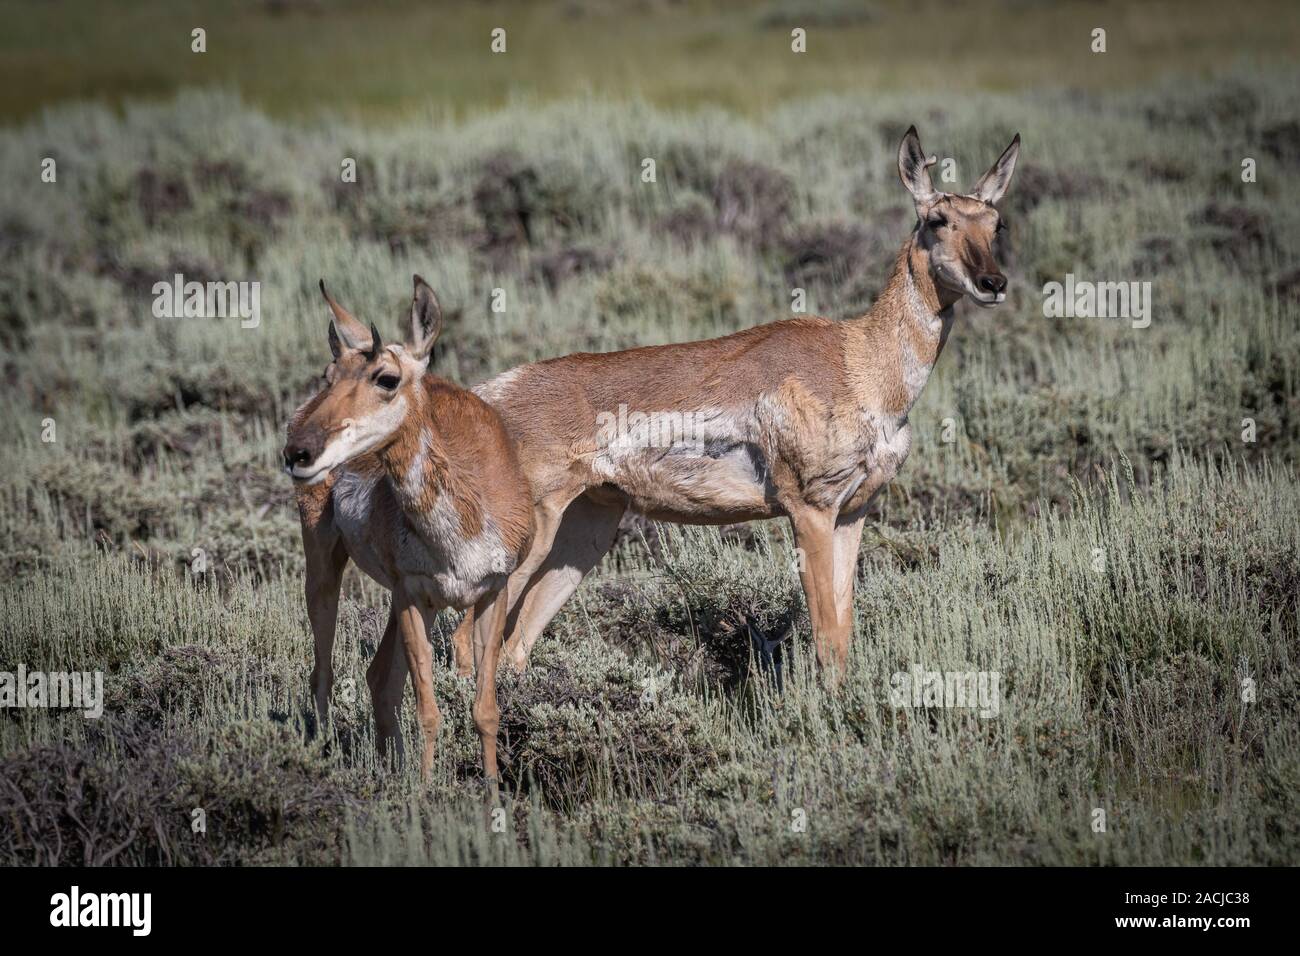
[(380, 60), (643, 732)]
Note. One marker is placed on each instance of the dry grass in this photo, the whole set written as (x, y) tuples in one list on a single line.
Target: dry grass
[(644, 732)]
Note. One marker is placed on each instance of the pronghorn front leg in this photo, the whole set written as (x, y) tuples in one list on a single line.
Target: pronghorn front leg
[(848, 539), (326, 559), (419, 658), (489, 632), (814, 536)]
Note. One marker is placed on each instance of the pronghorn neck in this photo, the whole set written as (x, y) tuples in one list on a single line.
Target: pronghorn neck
[(407, 442), (431, 488), (905, 329)]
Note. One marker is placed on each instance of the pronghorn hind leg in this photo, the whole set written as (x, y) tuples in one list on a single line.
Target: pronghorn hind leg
[(585, 535), (547, 515), (814, 536), (326, 559), (386, 678), (489, 631), (419, 659), (461, 644)]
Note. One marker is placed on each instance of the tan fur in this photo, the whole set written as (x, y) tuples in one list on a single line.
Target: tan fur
[(809, 419), (429, 500)]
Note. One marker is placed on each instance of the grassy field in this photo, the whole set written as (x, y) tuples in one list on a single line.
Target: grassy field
[(388, 59), (1080, 512)]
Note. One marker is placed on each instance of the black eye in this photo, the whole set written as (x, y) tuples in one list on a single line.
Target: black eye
[(388, 382), (1002, 226), (936, 222)]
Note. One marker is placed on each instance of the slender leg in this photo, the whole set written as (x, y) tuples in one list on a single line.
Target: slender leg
[(488, 633), (326, 559), (386, 677), (460, 642), (585, 535), (419, 659), (848, 538), (814, 536), (546, 520), (547, 515)]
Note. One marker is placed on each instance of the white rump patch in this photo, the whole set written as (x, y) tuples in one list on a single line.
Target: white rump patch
[(495, 389)]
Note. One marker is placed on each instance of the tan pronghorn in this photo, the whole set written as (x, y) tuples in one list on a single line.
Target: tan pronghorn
[(805, 418), (416, 480)]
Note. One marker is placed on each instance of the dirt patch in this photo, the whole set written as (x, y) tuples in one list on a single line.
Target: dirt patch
[(1234, 232), (690, 222), (753, 201), (129, 801), (558, 728), (1282, 141), (137, 278), (825, 255), (1034, 185), (160, 195), (557, 266)]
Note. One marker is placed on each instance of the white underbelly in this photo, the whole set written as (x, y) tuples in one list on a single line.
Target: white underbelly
[(690, 462), (717, 477)]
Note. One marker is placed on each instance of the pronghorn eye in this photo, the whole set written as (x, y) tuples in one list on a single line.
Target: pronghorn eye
[(1002, 226), (936, 222), (388, 382)]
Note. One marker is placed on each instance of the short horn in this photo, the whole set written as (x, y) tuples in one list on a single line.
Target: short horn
[(376, 343), (351, 332)]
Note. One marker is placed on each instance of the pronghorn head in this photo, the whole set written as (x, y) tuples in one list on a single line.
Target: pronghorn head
[(958, 231), (369, 387)]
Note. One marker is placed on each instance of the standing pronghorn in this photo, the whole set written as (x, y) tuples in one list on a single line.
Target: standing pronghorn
[(416, 480), (805, 418)]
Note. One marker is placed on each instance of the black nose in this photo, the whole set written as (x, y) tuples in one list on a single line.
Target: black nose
[(297, 455), (993, 282)]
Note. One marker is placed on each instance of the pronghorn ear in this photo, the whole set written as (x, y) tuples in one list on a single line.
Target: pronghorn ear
[(912, 169), (426, 320), (336, 347), (351, 334), (993, 184)]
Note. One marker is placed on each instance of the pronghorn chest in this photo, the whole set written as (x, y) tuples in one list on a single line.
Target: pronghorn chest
[(842, 465), (883, 455), (443, 563), (425, 550), (359, 516)]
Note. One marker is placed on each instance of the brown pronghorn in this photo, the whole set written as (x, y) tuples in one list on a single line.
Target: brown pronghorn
[(805, 418), (416, 480)]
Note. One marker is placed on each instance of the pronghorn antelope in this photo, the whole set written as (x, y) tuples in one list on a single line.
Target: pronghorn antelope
[(805, 418), (416, 480)]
